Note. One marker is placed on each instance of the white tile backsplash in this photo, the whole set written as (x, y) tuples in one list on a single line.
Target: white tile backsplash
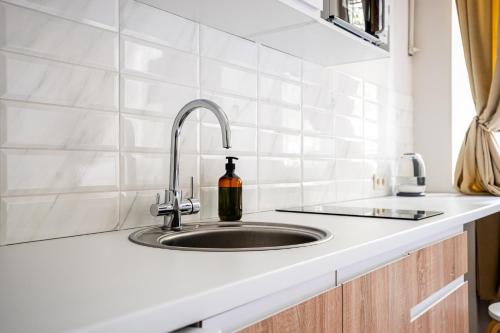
[(88, 93)]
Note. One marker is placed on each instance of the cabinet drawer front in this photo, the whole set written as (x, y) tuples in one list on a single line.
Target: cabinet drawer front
[(439, 264), (320, 314), (448, 315)]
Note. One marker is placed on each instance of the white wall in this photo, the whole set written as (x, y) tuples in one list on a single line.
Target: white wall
[(89, 92)]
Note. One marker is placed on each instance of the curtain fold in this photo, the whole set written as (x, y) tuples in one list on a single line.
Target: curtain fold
[(478, 164)]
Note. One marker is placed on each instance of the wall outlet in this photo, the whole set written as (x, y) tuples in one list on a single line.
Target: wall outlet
[(379, 182)]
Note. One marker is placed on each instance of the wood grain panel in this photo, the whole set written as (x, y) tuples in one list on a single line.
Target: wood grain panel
[(320, 314), (439, 264), (449, 315), (380, 301)]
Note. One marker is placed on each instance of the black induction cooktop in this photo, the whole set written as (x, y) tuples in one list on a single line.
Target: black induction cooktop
[(386, 213)]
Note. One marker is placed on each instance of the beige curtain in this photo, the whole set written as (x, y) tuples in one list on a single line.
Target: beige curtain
[(478, 165)]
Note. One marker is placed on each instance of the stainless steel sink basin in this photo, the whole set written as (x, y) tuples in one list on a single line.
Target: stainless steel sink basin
[(231, 236)]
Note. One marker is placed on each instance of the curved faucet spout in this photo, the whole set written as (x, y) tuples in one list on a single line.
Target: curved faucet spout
[(176, 131)]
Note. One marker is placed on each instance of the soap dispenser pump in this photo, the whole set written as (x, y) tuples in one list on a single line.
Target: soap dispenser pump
[(230, 193)]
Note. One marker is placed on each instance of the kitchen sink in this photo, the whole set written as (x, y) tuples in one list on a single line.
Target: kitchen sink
[(231, 236)]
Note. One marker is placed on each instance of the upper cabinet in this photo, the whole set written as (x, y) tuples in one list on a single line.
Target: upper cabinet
[(291, 26)]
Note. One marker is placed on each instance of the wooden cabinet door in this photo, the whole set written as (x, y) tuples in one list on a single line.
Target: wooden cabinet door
[(320, 314), (380, 301), (448, 315)]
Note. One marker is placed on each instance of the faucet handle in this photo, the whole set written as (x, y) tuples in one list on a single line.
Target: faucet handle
[(157, 198)]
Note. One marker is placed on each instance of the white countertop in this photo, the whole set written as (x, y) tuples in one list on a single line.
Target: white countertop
[(104, 283)]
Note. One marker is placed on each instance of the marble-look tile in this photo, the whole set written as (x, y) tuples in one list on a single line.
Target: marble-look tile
[(29, 125), (348, 127), (212, 167), (53, 171), (346, 84), (25, 219), (348, 105), (274, 62), (274, 170), (318, 169), (210, 200), (243, 140), (149, 134), (152, 97), (279, 91), (349, 148), (318, 122), (315, 74), (34, 33), (158, 26), (228, 48), (31, 79), (279, 196), (276, 143), (318, 146), (319, 193), (317, 97), (240, 111), (100, 13), (272, 116), (223, 78), (350, 169), (149, 170), (158, 62)]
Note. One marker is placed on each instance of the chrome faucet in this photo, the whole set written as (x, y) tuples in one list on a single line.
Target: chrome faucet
[(174, 206)]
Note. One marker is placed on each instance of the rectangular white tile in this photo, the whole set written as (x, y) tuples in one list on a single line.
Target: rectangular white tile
[(152, 97), (346, 84), (318, 169), (318, 122), (348, 105), (274, 170), (372, 111), (315, 74), (318, 146), (149, 170), (35, 33), (375, 93), (349, 148), (274, 62), (158, 26), (240, 111), (243, 140), (31, 218), (349, 169), (228, 48), (278, 117), (348, 127), (371, 130), (28, 125), (210, 201), (101, 13), (319, 193), (317, 97), (158, 62), (223, 78), (141, 133), (276, 143), (279, 196), (275, 90), (31, 79), (52, 171), (212, 167)]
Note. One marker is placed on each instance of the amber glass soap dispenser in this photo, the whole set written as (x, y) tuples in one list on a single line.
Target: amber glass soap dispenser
[(230, 188)]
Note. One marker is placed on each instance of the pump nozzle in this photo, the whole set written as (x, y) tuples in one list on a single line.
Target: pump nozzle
[(230, 165)]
